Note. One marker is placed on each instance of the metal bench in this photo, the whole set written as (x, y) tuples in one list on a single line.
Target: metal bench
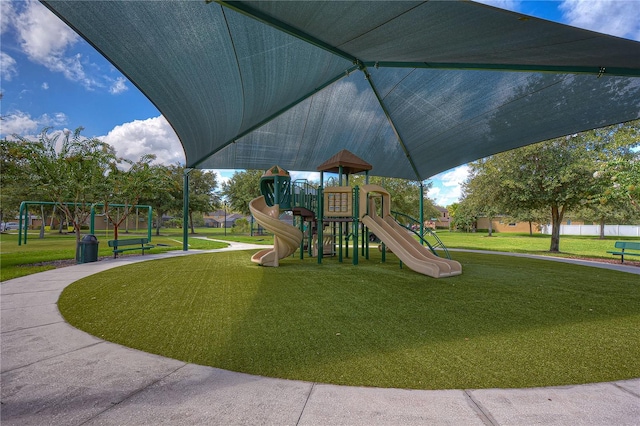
[(139, 243), (624, 247)]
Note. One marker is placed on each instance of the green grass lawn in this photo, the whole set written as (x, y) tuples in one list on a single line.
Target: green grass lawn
[(36, 255), (570, 245), (39, 255), (505, 322)]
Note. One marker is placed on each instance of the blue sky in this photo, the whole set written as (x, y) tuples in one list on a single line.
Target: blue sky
[(50, 77)]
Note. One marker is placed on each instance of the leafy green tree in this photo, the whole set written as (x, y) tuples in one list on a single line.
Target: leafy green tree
[(202, 196), (128, 182), (15, 183), (616, 194), (166, 195), (482, 192), (243, 187), (556, 175), (462, 216), (70, 170)]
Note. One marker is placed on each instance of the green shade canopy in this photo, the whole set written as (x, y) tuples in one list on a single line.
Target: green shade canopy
[(413, 88)]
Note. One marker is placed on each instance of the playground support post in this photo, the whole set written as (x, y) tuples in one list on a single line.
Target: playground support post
[(421, 212), (185, 211), (320, 221), (355, 224)]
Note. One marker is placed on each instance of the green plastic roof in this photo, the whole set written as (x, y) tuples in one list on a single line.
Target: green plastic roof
[(413, 88)]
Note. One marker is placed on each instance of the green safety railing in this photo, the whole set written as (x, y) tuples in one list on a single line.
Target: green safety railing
[(428, 233)]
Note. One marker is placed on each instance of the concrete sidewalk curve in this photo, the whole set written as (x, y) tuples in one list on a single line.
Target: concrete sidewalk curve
[(54, 374)]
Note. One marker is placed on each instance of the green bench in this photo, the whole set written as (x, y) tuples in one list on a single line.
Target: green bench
[(623, 247), (139, 243)]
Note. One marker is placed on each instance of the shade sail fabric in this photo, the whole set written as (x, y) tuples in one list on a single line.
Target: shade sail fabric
[(413, 88)]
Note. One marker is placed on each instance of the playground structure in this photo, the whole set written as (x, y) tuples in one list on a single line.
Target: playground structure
[(330, 217), (275, 186)]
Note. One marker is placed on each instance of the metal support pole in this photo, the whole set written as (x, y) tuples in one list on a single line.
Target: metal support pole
[(92, 225), (320, 220), (421, 213), (355, 223), (22, 207), (149, 222), (185, 211)]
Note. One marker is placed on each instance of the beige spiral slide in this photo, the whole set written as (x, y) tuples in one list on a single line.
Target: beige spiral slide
[(286, 238)]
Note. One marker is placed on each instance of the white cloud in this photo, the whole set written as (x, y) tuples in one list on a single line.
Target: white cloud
[(310, 176), (447, 186), (222, 176), (46, 40), (45, 86), (43, 37), (119, 86), (8, 66), (7, 16), (615, 17), (21, 123), (140, 137)]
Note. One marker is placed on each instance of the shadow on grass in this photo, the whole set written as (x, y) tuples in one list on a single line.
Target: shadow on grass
[(506, 322)]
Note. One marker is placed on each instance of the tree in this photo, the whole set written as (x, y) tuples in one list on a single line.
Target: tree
[(556, 175), (616, 183), (127, 185), (166, 196), (202, 196), (243, 187), (14, 178), (70, 170), (481, 192), (462, 216)]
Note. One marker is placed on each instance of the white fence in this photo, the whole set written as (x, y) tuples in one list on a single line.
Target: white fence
[(609, 230)]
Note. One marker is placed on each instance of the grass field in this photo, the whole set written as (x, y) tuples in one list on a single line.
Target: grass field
[(570, 245), (39, 255), (506, 322)]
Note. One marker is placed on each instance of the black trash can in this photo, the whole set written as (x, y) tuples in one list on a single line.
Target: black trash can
[(88, 249)]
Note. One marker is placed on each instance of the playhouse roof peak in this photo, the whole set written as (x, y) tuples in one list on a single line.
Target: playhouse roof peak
[(350, 163), (276, 171)]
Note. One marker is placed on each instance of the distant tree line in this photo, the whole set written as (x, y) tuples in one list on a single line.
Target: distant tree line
[(75, 172), (244, 186), (595, 175)]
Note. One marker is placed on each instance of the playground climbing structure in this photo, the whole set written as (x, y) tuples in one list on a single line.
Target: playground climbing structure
[(334, 219)]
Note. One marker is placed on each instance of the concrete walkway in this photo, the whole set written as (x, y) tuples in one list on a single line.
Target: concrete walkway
[(54, 374)]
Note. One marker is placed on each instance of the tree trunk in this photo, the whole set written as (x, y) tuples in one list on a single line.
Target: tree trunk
[(159, 222), (115, 231), (43, 221), (53, 216), (602, 228), (77, 232), (556, 220), (193, 231), (490, 227), (530, 229)]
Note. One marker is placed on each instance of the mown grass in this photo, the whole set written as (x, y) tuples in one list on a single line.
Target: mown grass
[(570, 245), (38, 255), (506, 322)]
